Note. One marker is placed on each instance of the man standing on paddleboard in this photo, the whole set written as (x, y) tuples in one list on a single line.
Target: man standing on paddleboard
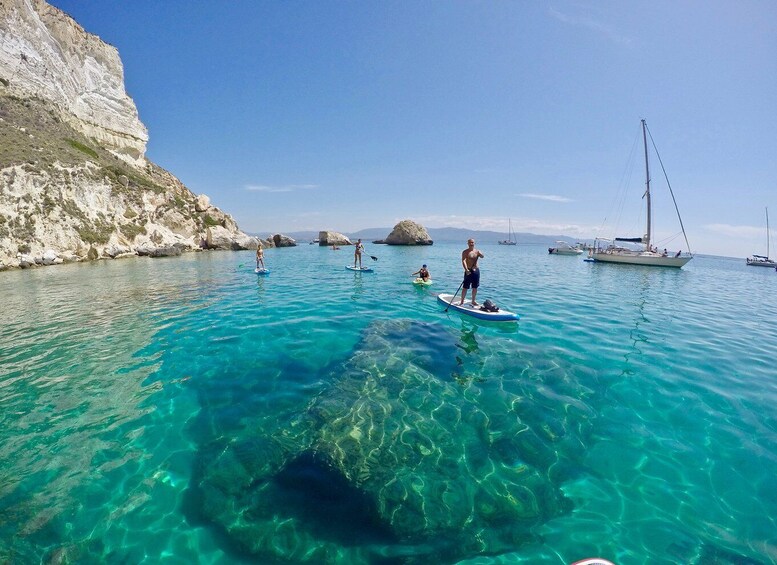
[(469, 260)]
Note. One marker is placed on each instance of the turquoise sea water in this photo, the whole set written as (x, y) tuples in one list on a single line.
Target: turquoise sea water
[(187, 411)]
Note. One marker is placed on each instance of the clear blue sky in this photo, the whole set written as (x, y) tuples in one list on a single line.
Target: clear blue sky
[(345, 115)]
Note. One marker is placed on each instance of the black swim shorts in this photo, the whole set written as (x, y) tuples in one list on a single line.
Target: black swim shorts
[(472, 279)]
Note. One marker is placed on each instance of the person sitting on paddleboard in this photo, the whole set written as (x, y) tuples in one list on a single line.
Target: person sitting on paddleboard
[(357, 253), (423, 273), (469, 260), (259, 256)]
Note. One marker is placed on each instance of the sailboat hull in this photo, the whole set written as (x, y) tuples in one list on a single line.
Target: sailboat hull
[(761, 263), (761, 260), (636, 258)]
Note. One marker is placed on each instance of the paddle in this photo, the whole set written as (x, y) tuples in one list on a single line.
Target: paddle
[(454, 296)]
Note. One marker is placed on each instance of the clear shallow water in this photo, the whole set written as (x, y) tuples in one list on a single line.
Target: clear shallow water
[(184, 410)]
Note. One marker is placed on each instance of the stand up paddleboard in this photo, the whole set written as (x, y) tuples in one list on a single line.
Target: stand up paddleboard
[(475, 311), (262, 271), (358, 269), (421, 282)]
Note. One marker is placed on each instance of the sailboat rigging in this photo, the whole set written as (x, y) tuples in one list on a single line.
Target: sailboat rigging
[(511, 239), (613, 253), (761, 260)]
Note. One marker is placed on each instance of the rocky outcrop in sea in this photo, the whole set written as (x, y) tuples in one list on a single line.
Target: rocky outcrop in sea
[(280, 240), (408, 232), (326, 238), (74, 180)]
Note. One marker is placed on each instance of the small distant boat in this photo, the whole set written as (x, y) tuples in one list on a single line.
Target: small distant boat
[(649, 255), (763, 260), (511, 239), (563, 248), (314, 241)]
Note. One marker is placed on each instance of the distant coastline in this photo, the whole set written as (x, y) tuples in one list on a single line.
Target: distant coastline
[(441, 235)]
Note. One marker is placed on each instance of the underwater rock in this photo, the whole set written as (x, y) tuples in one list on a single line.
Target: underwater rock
[(411, 437), (425, 446)]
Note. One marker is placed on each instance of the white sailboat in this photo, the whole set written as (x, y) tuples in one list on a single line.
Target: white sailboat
[(511, 239), (612, 252), (761, 260)]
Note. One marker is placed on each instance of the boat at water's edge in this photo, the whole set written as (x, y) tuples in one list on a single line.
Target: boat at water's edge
[(631, 257), (563, 248), (648, 256), (511, 239), (763, 260)]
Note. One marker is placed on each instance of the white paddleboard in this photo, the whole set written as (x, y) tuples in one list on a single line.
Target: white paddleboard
[(475, 311), (358, 269)]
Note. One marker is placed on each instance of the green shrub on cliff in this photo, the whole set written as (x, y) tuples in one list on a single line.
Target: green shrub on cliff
[(83, 148)]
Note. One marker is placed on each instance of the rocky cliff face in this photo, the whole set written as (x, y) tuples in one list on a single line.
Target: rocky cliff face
[(74, 180), (46, 54)]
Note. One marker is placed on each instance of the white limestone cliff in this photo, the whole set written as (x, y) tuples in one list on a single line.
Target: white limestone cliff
[(74, 180), (45, 53)]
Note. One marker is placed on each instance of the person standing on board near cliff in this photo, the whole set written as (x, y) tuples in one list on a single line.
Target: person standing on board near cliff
[(469, 260), (260, 257), (357, 253)]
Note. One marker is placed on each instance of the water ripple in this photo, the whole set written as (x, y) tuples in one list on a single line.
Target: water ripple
[(187, 409)]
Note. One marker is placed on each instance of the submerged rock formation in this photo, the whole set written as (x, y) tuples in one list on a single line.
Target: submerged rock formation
[(408, 447), (74, 180), (407, 232)]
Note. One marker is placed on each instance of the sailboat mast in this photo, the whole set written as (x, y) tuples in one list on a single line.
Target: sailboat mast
[(768, 234), (647, 188)]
